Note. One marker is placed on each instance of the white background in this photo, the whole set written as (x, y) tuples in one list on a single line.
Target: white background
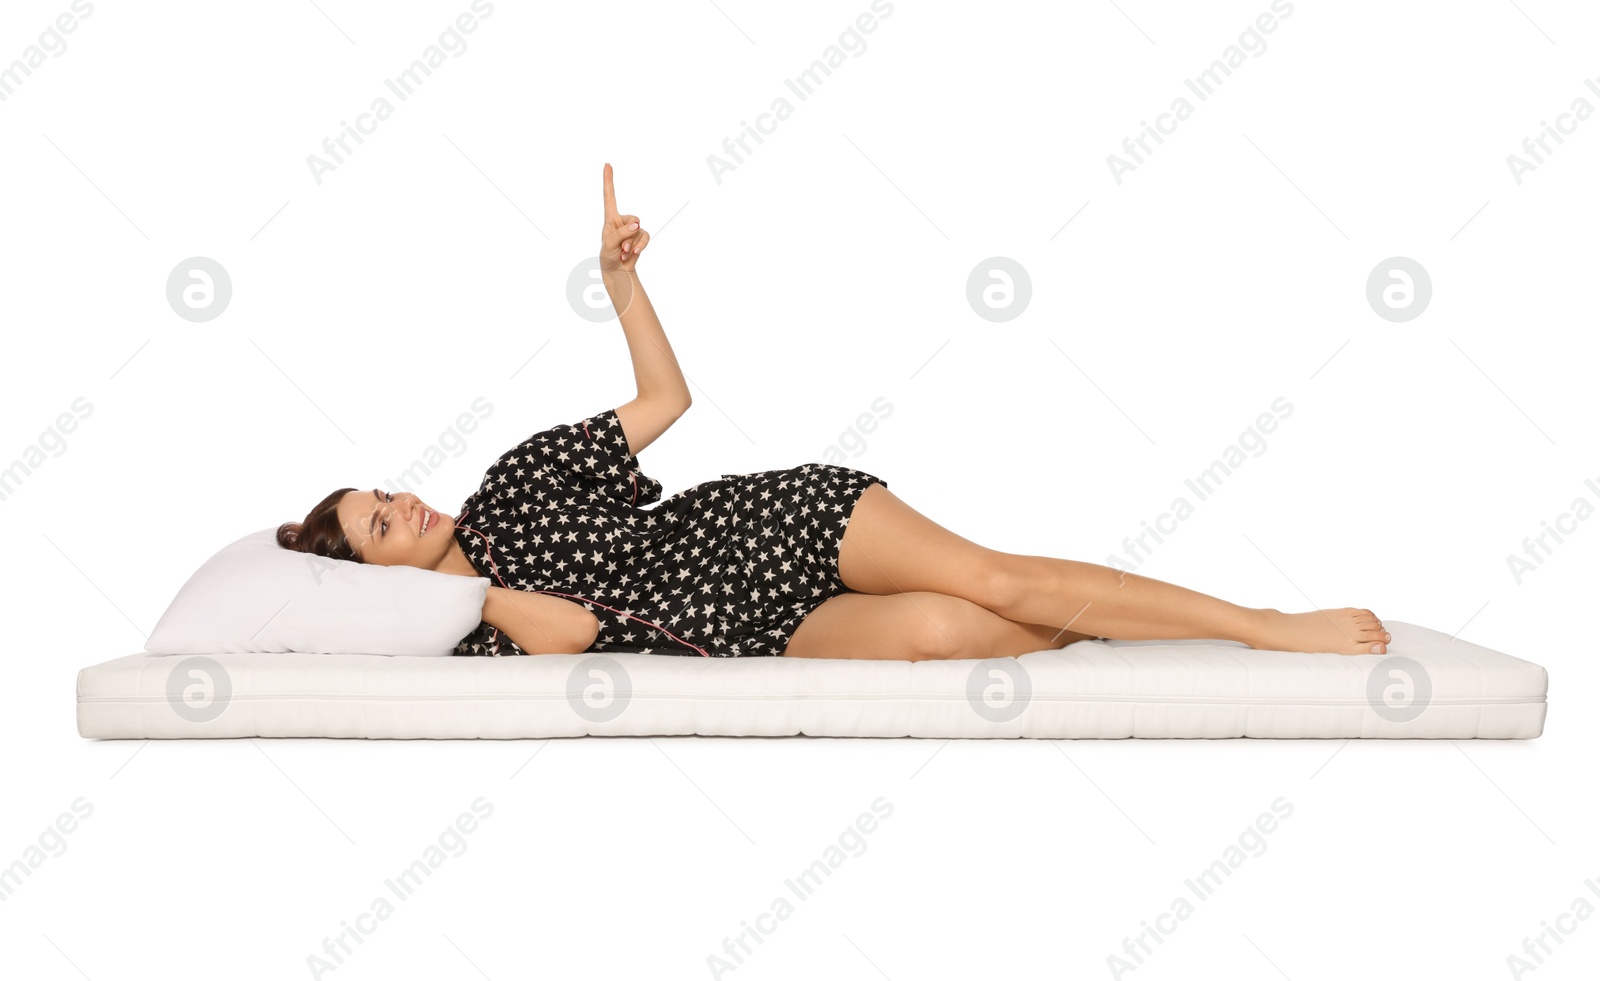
[(827, 270)]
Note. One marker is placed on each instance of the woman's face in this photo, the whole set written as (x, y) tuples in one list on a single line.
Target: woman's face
[(387, 529)]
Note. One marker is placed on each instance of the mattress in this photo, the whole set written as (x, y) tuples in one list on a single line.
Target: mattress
[(1428, 686)]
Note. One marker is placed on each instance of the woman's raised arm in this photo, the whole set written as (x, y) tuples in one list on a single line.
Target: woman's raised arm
[(663, 395)]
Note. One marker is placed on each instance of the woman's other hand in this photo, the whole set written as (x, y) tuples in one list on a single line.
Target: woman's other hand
[(621, 238)]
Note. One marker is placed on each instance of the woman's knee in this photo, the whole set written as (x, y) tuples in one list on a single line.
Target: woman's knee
[(999, 580), (944, 627)]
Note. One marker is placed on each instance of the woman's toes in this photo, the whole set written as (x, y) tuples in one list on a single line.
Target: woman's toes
[(1368, 624)]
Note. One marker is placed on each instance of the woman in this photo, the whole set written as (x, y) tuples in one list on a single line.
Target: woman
[(812, 561)]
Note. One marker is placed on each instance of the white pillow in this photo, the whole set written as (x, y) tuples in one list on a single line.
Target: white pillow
[(256, 597)]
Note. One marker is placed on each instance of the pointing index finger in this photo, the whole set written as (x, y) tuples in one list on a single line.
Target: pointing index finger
[(611, 195)]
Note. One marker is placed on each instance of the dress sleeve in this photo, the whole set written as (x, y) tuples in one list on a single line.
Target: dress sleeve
[(486, 641), (589, 456)]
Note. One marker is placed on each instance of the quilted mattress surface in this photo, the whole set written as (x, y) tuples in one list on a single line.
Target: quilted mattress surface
[(1427, 686)]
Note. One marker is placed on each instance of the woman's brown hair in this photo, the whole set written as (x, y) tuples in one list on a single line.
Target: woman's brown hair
[(320, 534)]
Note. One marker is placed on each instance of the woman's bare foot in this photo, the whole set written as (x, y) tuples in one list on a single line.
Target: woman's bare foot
[(1343, 631)]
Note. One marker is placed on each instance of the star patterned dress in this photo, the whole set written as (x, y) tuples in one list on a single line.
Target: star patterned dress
[(726, 568)]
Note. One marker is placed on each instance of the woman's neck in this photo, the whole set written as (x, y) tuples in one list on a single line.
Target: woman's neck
[(456, 563)]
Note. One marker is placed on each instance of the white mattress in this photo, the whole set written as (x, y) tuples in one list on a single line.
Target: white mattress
[(1437, 688)]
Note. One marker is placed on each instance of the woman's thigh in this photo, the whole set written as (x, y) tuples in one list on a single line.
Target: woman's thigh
[(890, 547), (912, 626)]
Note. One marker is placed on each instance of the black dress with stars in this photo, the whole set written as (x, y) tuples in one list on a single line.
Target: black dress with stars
[(726, 568)]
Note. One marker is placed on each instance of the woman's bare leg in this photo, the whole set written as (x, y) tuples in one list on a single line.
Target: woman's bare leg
[(914, 626), (1053, 638), (889, 547)]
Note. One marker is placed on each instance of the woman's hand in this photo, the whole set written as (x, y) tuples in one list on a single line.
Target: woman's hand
[(621, 238)]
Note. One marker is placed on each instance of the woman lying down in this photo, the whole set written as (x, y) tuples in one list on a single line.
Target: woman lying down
[(816, 560)]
